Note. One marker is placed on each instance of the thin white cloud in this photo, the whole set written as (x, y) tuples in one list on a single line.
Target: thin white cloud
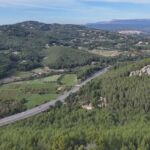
[(70, 11), (30, 1), (35, 3), (122, 1), (130, 1), (63, 2)]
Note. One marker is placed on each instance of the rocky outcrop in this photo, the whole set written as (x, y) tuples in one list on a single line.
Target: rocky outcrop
[(144, 71), (101, 103)]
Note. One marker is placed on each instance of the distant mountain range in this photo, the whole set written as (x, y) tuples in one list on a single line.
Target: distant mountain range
[(118, 25)]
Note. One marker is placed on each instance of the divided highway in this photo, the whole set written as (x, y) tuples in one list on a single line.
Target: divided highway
[(46, 106)]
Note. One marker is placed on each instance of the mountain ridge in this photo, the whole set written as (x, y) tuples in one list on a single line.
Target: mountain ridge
[(122, 24)]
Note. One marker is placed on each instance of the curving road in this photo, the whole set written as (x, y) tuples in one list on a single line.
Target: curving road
[(46, 106)]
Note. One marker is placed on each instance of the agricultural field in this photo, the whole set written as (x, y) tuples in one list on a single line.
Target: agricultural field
[(33, 92), (23, 74), (110, 53), (69, 79), (115, 53)]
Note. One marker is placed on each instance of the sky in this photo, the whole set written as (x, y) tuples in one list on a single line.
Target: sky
[(72, 11)]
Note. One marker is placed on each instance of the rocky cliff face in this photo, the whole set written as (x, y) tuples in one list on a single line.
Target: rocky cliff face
[(144, 71)]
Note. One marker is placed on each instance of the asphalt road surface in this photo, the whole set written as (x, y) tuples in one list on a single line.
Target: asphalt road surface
[(46, 106)]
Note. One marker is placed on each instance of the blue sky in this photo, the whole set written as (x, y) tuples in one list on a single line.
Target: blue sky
[(72, 11)]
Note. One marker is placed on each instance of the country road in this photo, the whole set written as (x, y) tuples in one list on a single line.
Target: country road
[(46, 106)]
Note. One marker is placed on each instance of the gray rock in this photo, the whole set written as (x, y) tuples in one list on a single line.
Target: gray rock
[(144, 71)]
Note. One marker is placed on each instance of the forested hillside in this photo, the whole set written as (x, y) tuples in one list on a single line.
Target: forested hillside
[(34, 35), (22, 45), (65, 57), (123, 93), (121, 124), (55, 57)]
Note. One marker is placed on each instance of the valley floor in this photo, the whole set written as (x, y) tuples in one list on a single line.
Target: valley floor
[(47, 106)]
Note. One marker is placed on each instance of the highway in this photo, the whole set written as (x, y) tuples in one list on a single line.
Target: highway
[(46, 106)]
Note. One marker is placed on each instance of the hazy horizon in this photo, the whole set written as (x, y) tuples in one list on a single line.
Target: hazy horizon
[(98, 21), (72, 11)]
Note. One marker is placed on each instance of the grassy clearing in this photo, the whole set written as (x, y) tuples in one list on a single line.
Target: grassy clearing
[(23, 74), (33, 92), (39, 99), (36, 92), (69, 79), (52, 78)]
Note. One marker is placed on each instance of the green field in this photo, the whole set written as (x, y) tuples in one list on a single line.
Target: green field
[(69, 79), (52, 78), (34, 92), (23, 74)]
